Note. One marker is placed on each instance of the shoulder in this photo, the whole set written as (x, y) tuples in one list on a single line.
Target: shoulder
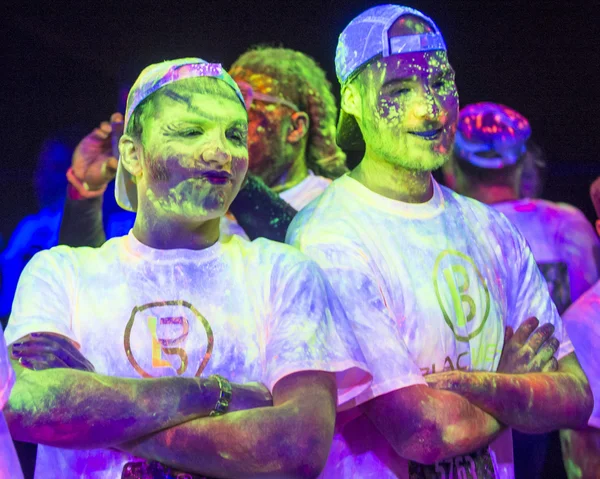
[(476, 210), (323, 215)]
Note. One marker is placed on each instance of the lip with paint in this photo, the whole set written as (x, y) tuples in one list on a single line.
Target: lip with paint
[(217, 177), (429, 135)]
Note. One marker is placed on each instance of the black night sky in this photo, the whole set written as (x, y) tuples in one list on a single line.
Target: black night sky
[(63, 65)]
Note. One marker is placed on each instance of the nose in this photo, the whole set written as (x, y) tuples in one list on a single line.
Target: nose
[(215, 156), (428, 107)]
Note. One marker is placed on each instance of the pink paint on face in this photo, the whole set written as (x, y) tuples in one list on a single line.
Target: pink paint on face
[(410, 109)]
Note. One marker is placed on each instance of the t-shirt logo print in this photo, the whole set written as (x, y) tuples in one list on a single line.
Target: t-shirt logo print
[(462, 294), (168, 336)]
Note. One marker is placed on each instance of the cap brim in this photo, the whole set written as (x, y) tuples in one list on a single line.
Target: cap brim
[(125, 189), (348, 135)]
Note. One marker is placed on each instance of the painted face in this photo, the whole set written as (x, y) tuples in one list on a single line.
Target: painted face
[(267, 127), (195, 154), (410, 109)]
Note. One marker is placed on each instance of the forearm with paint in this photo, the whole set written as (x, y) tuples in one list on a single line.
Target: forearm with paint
[(289, 440), (533, 403), (426, 425), (82, 410), (81, 224)]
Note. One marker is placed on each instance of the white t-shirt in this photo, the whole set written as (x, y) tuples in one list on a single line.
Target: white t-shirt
[(9, 462), (563, 243), (582, 320), (248, 311), (427, 287), (297, 197)]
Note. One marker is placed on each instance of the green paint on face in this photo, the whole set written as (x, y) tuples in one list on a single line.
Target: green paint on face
[(194, 155), (409, 109)]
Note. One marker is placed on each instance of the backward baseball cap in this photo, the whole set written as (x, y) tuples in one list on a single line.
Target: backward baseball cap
[(365, 38), (153, 78)]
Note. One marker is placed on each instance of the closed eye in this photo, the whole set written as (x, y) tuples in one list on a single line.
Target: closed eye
[(237, 136)]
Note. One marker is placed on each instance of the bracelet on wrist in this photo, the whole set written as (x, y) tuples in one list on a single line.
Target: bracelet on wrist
[(81, 188), (224, 396)]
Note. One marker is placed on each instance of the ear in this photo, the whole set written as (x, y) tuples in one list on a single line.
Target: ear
[(299, 127), (598, 227), (129, 155), (351, 100)]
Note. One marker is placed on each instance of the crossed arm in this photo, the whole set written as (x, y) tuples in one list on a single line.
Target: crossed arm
[(533, 403), (167, 419)]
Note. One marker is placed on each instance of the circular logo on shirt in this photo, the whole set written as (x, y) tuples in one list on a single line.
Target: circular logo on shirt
[(168, 335), (462, 294)]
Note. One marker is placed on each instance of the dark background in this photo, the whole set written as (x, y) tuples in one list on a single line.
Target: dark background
[(64, 63)]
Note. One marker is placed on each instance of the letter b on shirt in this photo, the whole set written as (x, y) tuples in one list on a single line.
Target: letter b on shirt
[(462, 294)]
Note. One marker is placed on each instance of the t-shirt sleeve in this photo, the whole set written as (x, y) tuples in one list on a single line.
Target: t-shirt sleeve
[(529, 294), (308, 331), (581, 250), (7, 375), (360, 293), (43, 300), (582, 320)]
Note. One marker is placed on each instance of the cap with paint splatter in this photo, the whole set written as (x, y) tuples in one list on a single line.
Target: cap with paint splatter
[(490, 135), (150, 80), (365, 38)]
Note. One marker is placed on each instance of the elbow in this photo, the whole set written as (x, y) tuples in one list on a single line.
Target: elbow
[(305, 456), (427, 445)]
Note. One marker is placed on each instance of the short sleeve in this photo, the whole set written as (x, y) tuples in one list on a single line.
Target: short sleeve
[(7, 375), (43, 300), (529, 295), (580, 249), (357, 288), (308, 331), (582, 320)]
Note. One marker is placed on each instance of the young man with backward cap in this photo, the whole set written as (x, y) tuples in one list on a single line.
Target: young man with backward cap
[(154, 325), (433, 283)]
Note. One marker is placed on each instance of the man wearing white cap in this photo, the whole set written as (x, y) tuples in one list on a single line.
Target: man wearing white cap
[(431, 281), (155, 324)]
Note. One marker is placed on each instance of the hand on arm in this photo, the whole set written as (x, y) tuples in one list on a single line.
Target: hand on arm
[(75, 408), (527, 393), (425, 425), (291, 439)]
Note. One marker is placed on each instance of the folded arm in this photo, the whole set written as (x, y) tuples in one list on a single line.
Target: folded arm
[(532, 403), (79, 409), (426, 425), (291, 439)]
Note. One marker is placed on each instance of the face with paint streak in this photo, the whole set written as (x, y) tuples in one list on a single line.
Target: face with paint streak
[(407, 109), (193, 151), (268, 125)]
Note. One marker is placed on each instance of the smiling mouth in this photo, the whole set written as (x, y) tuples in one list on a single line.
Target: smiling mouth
[(429, 134), (217, 177)]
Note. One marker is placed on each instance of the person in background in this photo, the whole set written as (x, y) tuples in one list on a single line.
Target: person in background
[(533, 175), (39, 231), (293, 153), (581, 448), (493, 161), (126, 352), (434, 283), (490, 151)]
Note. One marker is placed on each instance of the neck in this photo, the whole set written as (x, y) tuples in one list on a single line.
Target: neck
[(169, 233), (393, 181), (492, 194), (293, 175)]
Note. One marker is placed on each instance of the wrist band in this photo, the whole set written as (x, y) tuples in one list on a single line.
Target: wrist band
[(81, 187), (224, 396)]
